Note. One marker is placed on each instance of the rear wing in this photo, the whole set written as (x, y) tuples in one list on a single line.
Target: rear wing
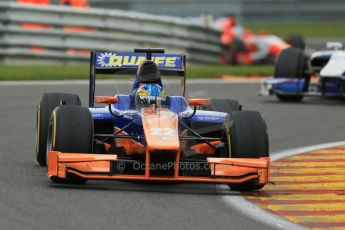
[(127, 64)]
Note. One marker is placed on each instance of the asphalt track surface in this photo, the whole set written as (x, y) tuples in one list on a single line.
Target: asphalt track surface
[(29, 201)]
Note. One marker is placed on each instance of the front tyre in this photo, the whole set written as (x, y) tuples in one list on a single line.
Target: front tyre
[(71, 130), (249, 139), (291, 64), (47, 103)]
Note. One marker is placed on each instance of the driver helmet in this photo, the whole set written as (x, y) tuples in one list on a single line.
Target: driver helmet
[(148, 93)]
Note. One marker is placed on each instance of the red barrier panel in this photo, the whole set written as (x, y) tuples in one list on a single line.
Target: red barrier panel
[(41, 2), (75, 3), (35, 25)]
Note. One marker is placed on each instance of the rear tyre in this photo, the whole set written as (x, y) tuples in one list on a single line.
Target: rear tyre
[(249, 139), (290, 64), (47, 103), (289, 98), (71, 130), (224, 105), (296, 41), (220, 105)]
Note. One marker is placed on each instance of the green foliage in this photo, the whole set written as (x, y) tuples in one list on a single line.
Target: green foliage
[(68, 72), (307, 29)]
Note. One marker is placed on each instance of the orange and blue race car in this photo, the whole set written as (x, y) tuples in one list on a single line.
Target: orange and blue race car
[(148, 135)]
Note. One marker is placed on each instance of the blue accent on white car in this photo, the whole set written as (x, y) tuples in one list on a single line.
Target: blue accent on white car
[(329, 68)]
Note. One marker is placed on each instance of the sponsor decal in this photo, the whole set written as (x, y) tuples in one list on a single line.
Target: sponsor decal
[(167, 61), (163, 134), (209, 118), (128, 116), (162, 131), (97, 115), (164, 138)]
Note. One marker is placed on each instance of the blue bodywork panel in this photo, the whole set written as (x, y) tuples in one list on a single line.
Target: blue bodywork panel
[(332, 86), (296, 86), (175, 104)]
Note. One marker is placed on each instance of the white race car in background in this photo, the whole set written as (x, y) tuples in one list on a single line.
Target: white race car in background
[(293, 71)]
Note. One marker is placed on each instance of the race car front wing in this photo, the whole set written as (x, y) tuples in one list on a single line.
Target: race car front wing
[(99, 167)]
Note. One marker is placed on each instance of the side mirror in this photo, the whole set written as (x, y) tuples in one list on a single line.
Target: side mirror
[(199, 101), (106, 99)]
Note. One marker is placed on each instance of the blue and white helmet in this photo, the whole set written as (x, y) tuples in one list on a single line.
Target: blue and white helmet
[(148, 92)]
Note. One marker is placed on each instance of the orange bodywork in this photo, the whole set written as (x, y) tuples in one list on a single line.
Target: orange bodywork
[(162, 138), (130, 146), (204, 148), (240, 167), (199, 101), (106, 99), (97, 166), (160, 129)]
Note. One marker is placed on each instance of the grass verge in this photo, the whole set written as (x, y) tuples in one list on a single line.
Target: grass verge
[(12, 72), (307, 29)]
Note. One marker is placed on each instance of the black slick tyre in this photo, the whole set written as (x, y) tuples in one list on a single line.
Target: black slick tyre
[(71, 130), (47, 103), (224, 105), (290, 64), (297, 41), (249, 139)]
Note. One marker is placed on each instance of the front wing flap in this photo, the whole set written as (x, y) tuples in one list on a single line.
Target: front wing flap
[(98, 166)]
